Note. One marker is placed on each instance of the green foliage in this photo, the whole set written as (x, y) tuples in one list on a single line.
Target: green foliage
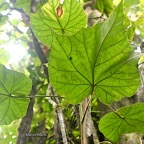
[(105, 6), (14, 87), (8, 133), (82, 61), (71, 20), (125, 120), (97, 60), (3, 19), (3, 6), (23, 4), (141, 60), (129, 3), (139, 24), (129, 27), (4, 56), (100, 6)]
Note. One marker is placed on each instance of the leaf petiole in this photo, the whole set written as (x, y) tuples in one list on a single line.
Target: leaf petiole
[(118, 114)]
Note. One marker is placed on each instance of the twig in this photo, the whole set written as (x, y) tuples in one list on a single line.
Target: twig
[(83, 116), (40, 96), (15, 27), (59, 113), (122, 117), (40, 55), (85, 111), (88, 131)]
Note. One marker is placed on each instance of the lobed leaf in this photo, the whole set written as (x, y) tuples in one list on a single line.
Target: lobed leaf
[(14, 87), (126, 120), (72, 18), (97, 60)]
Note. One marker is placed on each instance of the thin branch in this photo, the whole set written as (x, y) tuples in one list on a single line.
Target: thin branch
[(83, 118), (89, 101), (17, 9), (59, 113), (91, 132), (61, 122), (88, 131), (15, 27), (35, 96), (122, 117), (40, 96)]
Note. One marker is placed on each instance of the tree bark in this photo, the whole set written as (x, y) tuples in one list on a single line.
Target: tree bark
[(88, 131), (25, 124)]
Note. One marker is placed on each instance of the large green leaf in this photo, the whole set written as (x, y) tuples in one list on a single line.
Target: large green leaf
[(126, 120), (98, 59), (72, 19), (14, 87)]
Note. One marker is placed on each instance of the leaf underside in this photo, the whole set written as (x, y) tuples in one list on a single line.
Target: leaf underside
[(14, 87), (130, 119), (97, 60), (72, 19)]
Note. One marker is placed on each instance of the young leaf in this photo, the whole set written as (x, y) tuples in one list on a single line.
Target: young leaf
[(14, 87), (97, 60), (67, 19), (128, 119)]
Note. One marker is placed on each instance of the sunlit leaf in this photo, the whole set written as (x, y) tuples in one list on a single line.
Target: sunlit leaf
[(141, 60), (126, 120), (97, 60), (100, 6), (14, 87), (63, 19), (108, 6)]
